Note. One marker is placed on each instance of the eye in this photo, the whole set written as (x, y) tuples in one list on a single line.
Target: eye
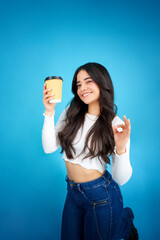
[(90, 81), (78, 86)]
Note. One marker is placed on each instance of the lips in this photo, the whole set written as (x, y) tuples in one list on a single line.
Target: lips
[(86, 94)]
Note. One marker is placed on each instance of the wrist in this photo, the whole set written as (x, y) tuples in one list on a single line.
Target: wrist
[(49, 113), (120, 151)]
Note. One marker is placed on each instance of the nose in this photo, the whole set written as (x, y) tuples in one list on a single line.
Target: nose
[(83, 87)]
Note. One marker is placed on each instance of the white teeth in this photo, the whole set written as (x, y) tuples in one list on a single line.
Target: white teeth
[(86, 94)]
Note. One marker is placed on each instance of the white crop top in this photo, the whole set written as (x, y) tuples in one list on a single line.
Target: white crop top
[(121, 169)]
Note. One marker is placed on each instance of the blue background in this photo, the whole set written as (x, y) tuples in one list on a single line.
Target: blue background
[(42, 38)]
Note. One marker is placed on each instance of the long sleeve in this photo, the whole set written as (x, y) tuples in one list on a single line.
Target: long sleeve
[(50, 141), (121, 168)]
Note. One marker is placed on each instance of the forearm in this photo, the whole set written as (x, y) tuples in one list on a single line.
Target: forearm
[(121, 168), (49, 135)]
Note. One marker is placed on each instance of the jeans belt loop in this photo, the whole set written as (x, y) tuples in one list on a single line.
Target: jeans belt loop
[(79, 187)]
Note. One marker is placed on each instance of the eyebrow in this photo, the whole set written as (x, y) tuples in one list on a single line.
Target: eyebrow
[(85, 79)]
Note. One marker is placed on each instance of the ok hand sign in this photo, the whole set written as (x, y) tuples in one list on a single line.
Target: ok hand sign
[(121, 138)]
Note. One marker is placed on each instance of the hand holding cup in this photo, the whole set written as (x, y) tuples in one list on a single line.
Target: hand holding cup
[(52, 93), (47, 96)]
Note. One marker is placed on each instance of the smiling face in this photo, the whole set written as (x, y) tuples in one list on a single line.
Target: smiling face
[(87, 90)]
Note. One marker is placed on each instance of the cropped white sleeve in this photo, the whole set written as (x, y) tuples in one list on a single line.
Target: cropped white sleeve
[(50, 141), (121, 168)]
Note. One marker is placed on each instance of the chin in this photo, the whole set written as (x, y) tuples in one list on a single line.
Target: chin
[(87, 101)]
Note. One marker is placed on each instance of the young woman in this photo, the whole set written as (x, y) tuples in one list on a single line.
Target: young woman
[(89, 131)]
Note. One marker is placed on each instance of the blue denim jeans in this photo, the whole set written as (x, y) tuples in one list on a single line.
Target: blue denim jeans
[(94, 211)]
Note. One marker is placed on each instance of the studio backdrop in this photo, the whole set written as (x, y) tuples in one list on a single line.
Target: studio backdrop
[(48, 38)]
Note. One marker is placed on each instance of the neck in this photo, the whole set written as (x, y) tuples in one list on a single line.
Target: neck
[(94, 108)]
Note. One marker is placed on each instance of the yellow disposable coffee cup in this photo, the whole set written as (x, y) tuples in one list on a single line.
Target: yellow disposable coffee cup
[(55, 84)]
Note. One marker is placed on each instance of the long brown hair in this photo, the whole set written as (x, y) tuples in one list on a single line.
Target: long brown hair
[(101, 133)]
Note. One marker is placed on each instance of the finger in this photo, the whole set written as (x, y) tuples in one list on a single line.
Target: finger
[(44, 86), (120, 125), (48, 96), (127, 122), (129, 125), (46, 91), (127, 128), (124, 117), (119, 130), (46, 100)]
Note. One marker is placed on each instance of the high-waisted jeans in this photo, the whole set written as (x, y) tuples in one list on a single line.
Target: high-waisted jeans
[(94, 211)]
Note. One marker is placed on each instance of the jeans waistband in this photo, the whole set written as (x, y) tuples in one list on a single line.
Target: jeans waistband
[(106, 177)]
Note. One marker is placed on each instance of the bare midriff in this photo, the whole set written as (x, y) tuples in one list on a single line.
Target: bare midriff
[(78, 174)]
